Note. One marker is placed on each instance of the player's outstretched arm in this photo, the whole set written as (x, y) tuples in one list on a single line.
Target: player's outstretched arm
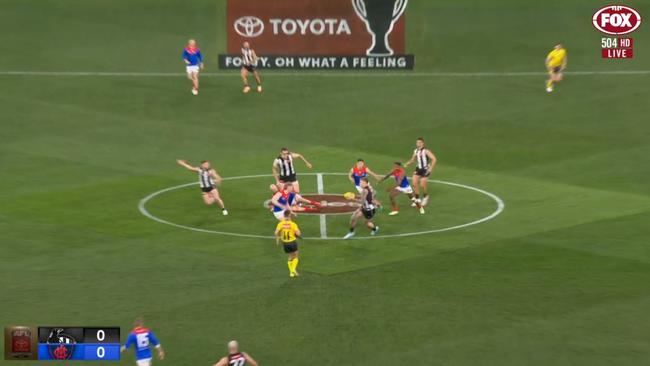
[(249, 359), (216, 176), (222, 362), (410, 161), (299, 156), (373, 174), (385, 177), (187, 166)]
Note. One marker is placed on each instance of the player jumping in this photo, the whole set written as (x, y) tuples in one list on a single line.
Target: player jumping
[(402, 186), (368, 208), (286, 199), (425, 161), (359, 171), (208, 180), (142, 339), (286, 232), (235, 357), (556, 61), (193, 62), (283, 169), (249, 60)]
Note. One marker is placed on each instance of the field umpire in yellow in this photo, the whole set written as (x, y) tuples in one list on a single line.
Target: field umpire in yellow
[(555, 64), (287, 232)]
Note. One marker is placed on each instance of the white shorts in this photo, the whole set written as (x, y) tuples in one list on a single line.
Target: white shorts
[(144, 362), (192, 69), (406, 190), (278, 215), (359, 189)]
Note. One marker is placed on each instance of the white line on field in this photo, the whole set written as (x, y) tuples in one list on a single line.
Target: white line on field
[(323, 218), (308, 73)]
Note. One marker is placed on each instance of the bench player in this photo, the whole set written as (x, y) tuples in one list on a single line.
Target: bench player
[(286, 232), (235, 357), (284, 170), (425, 161), (358, 171), (249, 60), (556, 61), (143, 339), (193, 62), (367, 210), (286, 199), (402, 185), (208, 179)]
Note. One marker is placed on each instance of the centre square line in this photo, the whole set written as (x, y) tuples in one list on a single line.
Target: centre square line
[(323, 218)]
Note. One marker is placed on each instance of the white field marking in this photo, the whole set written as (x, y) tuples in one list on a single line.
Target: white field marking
[(307, 73), (500, 206), (322, 218)]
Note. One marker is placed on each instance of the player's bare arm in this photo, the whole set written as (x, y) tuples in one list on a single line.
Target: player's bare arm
[(187, 166), (276, 202), (276, 173), (299, 156), (216, 176), (161, 352), (373, 174), (222, 362), (249, 359), (410, 161), (433, 159), (351, 175), (255, 58)]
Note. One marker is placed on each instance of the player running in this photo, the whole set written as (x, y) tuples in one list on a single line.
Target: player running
[(425, 163), (208, 180), (556, 61), (193, 62), (286, 232), (286, 199), (283, 169), (368, 208), (402, 186), (235, 357), (359, 171), (249, 60), (142, 339)]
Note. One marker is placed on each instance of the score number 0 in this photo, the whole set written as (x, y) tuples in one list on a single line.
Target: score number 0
[(101, 335)]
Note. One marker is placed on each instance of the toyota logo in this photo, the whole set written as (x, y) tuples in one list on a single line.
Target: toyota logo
[(249, 26)]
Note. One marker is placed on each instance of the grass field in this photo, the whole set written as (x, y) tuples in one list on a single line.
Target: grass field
[(560, 277)]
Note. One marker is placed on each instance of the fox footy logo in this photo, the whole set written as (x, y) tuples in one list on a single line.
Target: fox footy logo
[(616, 19)]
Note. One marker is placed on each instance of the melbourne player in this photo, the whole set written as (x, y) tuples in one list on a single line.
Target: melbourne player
[(143, 340), (358, 171), (284, 170), (193, 62), (235, 357), (249, 60), (208, 180), (556, 61), (367, 210), (286, 199), (402, 185), (425, 161), (286, 232)]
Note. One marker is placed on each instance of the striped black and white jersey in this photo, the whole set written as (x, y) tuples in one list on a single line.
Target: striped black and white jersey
[(367, 203), (422, 158), (205, 178), (247, 56), (285, 166)]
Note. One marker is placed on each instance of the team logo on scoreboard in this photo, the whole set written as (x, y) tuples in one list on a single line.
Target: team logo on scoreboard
[(20, 343), (60, 344), (616, 20)]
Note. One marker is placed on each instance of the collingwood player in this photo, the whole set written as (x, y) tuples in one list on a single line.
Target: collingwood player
[(235, 357), (425, 161), (283, 169), (368, 208), (208, 179), (249, 60)]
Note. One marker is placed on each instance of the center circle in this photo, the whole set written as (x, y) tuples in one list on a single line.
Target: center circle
[(500, 206)]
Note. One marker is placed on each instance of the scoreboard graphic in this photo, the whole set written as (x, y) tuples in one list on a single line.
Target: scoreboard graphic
[(62, 343)]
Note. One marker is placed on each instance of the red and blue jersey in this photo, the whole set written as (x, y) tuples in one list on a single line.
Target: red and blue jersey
[(286, 199), (142, 338), (358, 173), (398, 174), (193, 56)]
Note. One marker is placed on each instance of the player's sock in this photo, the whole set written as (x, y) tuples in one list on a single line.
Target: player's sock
[(295, 264), (290, 265), (549, 83)]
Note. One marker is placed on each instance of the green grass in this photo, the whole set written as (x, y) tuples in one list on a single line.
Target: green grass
[(559, 278)]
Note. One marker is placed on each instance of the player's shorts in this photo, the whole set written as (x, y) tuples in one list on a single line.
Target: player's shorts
[(368, 214), (288, 178), (406, 190), (290, 247), (192, 69), (144, 362), (422, 172), (249, 68), (279, 214), (207, 189), (557, 69)]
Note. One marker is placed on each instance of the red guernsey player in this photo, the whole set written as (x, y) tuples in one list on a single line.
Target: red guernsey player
[(402, 185), (235, 357), (193, 62)]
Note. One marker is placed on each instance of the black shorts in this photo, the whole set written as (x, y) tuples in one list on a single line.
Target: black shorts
[(557, 70), (249, 68), (422, 172), (207, 189), (290, 247), (368, 214), (288, 178)]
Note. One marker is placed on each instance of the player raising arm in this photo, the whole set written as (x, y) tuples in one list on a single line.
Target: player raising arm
[(556, 61), (284, 170), (358, 171), (193, 62), (142, 339), (249, 60), (425, 161), (235, 357), (208, 180)]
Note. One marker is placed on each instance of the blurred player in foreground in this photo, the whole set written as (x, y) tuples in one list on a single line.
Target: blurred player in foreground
[(235, 357), (368, 208), (286, 199), (283, 169), (425, 161), (143, 339), (358, 171), (208, 180), (402, 185), (249, 60), (286, 232), (193, 62), (556, 61)]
